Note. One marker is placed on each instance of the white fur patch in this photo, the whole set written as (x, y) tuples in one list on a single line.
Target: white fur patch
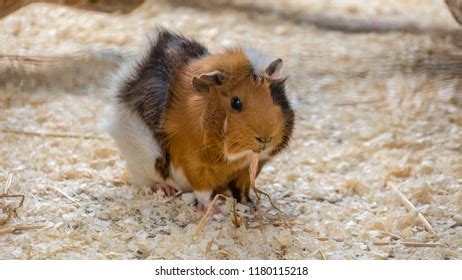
[(140, 150), (178, 180), (136, 144), (258, 60), (204, 197), (235, 156)]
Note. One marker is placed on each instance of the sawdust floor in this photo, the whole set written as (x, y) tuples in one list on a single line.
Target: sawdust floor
[(370, 106)]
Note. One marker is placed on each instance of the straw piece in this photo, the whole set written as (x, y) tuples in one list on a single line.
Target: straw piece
[(395, 236), (8, 183), (65, 195), (253, 174), (410, 207), (10, 210), (209, 246), (401, 172), (21, 196), (237, 221), (407, 244), (53, 134), (18, 228), (384, 243), (253, 167), (7, 219), (275, 223), (201, 224), (323, 256), (325, 238)]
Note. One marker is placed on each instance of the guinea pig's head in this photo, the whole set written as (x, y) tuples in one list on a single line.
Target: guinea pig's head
[(249, 107)]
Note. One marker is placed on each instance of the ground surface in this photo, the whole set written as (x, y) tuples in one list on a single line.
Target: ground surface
[(377, 93)]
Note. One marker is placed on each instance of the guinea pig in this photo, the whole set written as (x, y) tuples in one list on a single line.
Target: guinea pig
[(189, 120)]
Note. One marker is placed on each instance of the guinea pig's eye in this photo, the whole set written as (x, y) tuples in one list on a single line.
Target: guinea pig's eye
[(236, 104)]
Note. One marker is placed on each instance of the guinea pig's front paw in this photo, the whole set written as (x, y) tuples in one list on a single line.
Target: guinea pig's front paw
[(246, 202), (252, 206), (204, 198), (200, 207)]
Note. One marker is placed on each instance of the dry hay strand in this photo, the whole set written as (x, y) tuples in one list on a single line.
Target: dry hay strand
[(65, 195), (254, 158), (9, 180), (408, 244), (392, 235), (17, 228), (385, 243), (281, 219), (10, 210), (209, 246), (323, 256), (410, 207), (236, 220), (53, 134), (325, 238)]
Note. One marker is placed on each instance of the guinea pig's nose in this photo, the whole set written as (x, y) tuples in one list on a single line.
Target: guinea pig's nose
[(264, 140)]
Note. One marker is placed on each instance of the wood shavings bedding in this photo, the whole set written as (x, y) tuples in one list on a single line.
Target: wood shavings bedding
[(330, 181)]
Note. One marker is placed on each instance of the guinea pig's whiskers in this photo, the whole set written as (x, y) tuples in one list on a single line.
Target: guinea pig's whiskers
[(278, 130), (204, 148)]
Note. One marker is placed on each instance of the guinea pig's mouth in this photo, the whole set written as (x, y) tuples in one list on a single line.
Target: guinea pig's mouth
[(260, 149)]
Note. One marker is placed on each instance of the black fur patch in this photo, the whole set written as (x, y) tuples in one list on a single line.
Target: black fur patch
[(147, 90), (162, 166), (241, 193), (256, 77), (236, 192), (273, 66), (278, 92)]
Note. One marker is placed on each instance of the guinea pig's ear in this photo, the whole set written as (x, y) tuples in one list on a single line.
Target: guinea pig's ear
[(207, 80), (274, 69)]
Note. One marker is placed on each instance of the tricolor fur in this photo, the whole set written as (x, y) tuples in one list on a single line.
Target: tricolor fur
[(178, 121)]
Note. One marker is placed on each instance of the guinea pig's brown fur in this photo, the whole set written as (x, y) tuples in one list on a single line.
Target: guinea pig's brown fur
[(204, 132), (219, 109)]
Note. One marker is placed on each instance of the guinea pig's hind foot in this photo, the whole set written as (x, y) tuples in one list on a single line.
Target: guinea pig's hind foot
[(168, 190)]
